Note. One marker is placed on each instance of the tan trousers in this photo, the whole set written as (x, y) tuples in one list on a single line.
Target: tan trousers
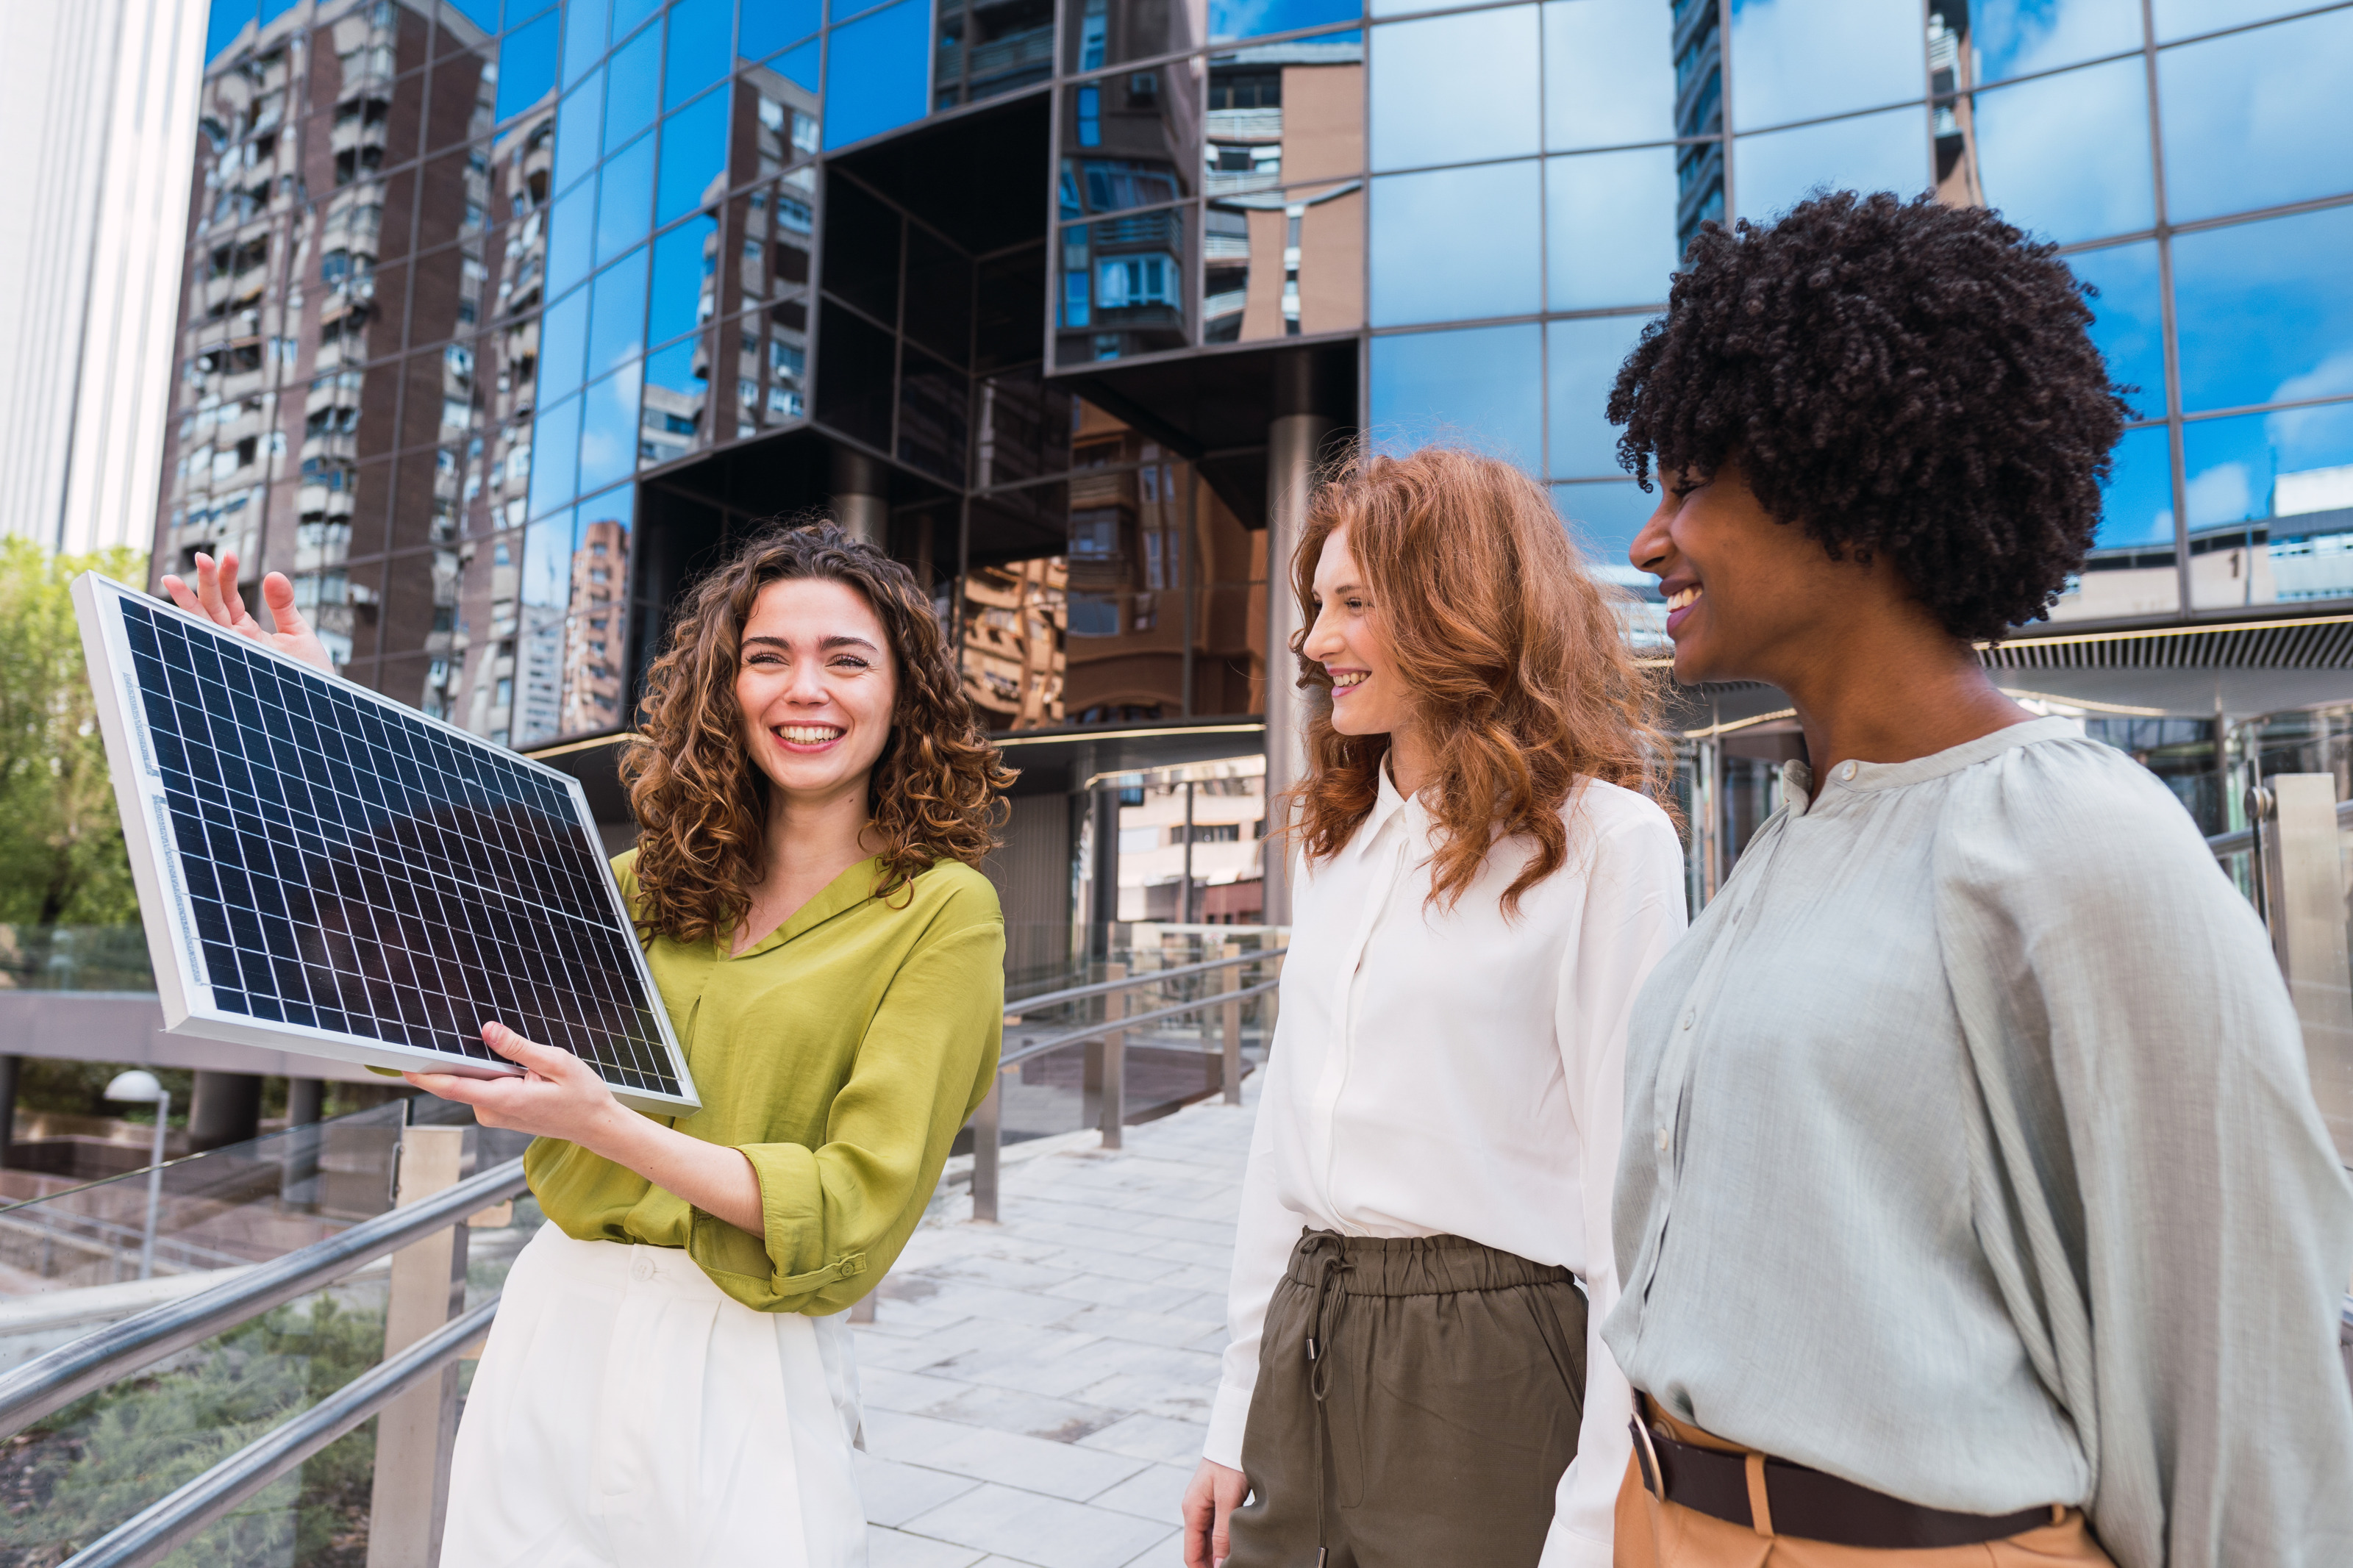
[(1654, 1534)]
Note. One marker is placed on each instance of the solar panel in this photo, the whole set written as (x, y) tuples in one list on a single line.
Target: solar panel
[(322, 870)]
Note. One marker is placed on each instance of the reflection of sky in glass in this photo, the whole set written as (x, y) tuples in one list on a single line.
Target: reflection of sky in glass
[(571, 235), (562, 345), (677, 289), (701, 47), (1793, 59), (547, 549), (2232, 464), (767, 26), (2257, 119), (627, 199), (2066, 157), (628, 14), (1604, 518), (633, 88), (875, 75), (2187, 19), (2128, 319), (1583, 358), (2265, 310), (1457, 243), (1455, 88), (1610, 73), (799, 65), (584, 37), (693, 156), (2137, 504), (576, 131), (228, 19), (673, 368), (1612, 222), (1885, 151), (1251, 19), (2012, 38), (1482, 388), (608, 430), (616, 313), (526, 66), (555, 455)]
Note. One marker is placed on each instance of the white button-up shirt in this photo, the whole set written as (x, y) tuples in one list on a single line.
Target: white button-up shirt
[(1455, 1071)]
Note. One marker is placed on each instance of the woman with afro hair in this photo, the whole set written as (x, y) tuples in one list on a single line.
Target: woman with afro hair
[(1973, 1206)]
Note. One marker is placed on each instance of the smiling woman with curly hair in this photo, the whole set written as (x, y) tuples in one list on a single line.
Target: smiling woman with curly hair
[(670, 1380), (1974, 1208)]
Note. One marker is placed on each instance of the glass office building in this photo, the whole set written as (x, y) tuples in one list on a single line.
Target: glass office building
[(502, 315)]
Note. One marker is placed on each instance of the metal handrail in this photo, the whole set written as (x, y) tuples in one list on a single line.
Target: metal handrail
[(1103, 1027), (1105, 987), (2240, 840), (54, 1380), (170, 1522)]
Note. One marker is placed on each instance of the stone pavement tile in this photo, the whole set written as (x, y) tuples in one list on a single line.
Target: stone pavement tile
[(907, 1439), (1064, 1471), (1155, 1492), (1018, 1410), (1209, 1232), (1214, 1341), (1129, 1323), (1086, 1237), (1156, 1395), (994, 1335), (988, 1269), (890, 1549), (1116, 1265), (1152, 1437), (1038, 1529), (905, 1315), (1218, 1256), (971, 1300), (895, 1493), (1199, 1276), (1168, 1554), (1201, 1306), (1064, 1369), (1103, 1291), (887, 1388)]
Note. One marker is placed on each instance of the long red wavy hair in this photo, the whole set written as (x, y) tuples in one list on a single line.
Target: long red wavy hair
[(701, 803), (1520, 668)]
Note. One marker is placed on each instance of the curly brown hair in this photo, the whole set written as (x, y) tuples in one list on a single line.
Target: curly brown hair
[(1895, 377), (701, 803), (1520, 671)]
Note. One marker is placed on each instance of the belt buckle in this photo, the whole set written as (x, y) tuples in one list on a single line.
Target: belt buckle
[(1653, 1470)]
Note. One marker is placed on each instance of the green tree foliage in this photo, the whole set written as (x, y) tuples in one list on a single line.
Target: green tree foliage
[(61, 855), (96, 1463)]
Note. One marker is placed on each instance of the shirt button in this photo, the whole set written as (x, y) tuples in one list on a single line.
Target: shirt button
[(641, 1270), (1662, 1139), (1687, 1019), (1847, 772)]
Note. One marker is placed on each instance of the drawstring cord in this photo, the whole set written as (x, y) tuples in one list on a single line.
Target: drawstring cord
[(1329, 1265)]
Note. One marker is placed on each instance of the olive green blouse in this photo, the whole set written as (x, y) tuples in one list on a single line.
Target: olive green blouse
[(841, 1053)]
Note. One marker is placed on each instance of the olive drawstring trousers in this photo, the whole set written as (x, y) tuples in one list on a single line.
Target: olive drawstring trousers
[(1416, 1402)]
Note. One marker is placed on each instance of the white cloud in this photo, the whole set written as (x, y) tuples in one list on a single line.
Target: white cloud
[(2222, 493)]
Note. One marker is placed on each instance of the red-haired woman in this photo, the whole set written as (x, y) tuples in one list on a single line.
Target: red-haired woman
[(670, 1381), (1414, 1375)]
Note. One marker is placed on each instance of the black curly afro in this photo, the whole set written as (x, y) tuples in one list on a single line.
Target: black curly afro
[(1902, 378)]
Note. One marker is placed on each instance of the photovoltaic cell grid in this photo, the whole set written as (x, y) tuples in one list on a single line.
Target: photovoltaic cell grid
[(352, 869)]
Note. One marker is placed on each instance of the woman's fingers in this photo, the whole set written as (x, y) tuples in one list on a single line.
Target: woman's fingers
[(277, 593), (547, 1061)]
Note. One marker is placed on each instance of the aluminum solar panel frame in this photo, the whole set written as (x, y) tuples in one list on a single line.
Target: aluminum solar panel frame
[(323, 870)]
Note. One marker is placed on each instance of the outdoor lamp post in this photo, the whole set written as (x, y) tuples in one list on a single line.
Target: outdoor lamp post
[(139, 1087)]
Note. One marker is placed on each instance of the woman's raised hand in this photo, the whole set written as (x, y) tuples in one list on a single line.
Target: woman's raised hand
[(216, 598), (557, 1097)]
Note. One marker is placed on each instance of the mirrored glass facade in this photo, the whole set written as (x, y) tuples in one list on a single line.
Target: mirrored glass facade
[(502, 315)]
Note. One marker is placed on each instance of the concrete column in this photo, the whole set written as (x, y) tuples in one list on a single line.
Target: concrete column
[(306, 1100), (1104, 875), (862, 497), (1294, 438), (8, 1068), (225, 1108)]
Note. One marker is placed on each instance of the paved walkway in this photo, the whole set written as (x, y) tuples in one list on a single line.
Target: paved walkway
[(1036, 1391)]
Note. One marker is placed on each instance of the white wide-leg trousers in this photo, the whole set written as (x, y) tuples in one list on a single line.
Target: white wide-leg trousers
[(628, 1414)]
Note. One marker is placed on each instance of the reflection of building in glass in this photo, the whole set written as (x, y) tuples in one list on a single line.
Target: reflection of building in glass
[(1283, 262), (1059, 305)]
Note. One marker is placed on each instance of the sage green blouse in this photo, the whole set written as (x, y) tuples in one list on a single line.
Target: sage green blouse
[(841, 1053)]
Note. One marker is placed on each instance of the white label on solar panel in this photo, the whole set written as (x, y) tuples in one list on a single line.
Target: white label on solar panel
[(323, 870)]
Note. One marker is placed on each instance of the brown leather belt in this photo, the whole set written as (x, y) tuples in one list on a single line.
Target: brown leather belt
[(1809, 1503)]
